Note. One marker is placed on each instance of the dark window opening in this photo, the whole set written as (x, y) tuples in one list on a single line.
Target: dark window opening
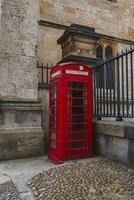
[(99, 52), (109, 52), (105, 77), (112, 0)]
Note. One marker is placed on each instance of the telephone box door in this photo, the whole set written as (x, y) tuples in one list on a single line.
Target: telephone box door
[(79, 115)]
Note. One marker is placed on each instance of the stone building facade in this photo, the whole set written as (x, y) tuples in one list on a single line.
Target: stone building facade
[(109, 18), (29, 30), (21, 133)]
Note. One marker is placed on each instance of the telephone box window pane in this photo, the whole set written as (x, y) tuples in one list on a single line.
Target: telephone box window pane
[(78, 119), (79, 102), (78, 93), (53, 136), (77, 145), (53, 126), (77, 127), (54, 102), (79, 110), (53, 116), (77, 85), (77, 136), (53, 144), (53, 92)]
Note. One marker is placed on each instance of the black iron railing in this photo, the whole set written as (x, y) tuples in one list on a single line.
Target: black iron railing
[(43, 75), (113, 86)]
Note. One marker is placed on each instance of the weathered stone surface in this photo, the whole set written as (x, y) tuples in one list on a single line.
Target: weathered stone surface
[(44, 96), (18, 39), (21, 143), (109, 128), (48, 49), (21, 134), (79, 42), (106, 17), (110, 18), (114, 140)]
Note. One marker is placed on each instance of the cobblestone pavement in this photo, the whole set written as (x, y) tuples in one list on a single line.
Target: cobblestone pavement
[(96, 179), (20, 171), (8, 191)]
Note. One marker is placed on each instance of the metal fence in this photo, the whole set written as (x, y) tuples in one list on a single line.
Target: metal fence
[(43, 75), (113, 86)]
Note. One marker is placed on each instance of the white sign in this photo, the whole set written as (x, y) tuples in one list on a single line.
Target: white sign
[(81, 67), (55, 74), (76, 72)]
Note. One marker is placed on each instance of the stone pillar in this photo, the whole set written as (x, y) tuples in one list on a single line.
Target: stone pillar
[(21, 134), (78, 44)]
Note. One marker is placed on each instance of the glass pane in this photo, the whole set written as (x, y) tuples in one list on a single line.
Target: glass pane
[(78, 93), (53, 144), (99, 52), (53, 135), (77, 102), (109, 52), (53, 91), (77, 127), (53, 126), (78, 110), (77, 136), (78, 119), (77, 145), (53, 117), (78, 85), (53, 102)]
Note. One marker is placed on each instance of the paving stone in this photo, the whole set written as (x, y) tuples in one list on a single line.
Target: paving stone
[(97, 179)]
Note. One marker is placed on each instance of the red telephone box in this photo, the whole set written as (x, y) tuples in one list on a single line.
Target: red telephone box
[(70, 118)]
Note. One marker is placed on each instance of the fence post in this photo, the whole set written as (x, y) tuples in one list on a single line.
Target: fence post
[(119, 117)]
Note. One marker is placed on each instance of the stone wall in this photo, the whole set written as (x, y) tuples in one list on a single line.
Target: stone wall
[(114, 140), (21, 133), (48, 49), (0, 10), (18, 40), (114, 19)]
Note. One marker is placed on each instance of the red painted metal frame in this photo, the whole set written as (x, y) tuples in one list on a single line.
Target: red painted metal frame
[(59, 76)]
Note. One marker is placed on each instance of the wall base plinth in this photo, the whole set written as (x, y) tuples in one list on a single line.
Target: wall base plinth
[(21, 134)]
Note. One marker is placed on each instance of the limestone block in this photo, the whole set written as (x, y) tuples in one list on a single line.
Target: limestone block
[(78, 40), (69, 9), (18, 40), (21, 134), (115, 140), (48, 50), (131, 33), (21, 143), (111, 18)]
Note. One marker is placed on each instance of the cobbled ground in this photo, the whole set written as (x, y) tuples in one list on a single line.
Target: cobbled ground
[(98, 179), (8, 191)]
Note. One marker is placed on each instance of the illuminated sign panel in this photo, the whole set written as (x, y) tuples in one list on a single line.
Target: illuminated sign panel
[(76, 72), (55, 74)]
